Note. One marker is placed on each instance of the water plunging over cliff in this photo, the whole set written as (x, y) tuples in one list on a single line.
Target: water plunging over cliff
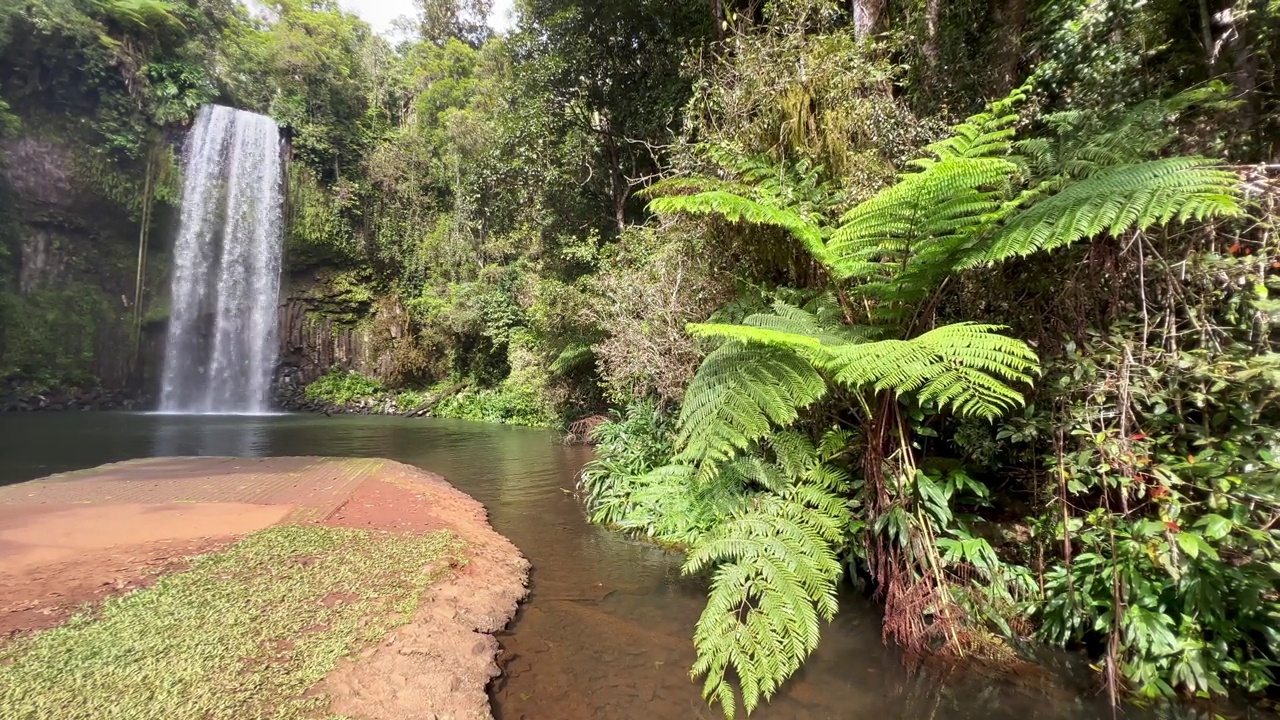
[(221, 347)]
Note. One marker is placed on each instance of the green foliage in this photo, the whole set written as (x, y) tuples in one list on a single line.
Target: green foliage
[(798, 87), (893, 251), (1118, 200), (177, 90), (775, 570), (740, 393), (343, 387), (1181, 582), (649, 286), (50, 336), (142, 14), (765, 376), (628, 447), (510, 403), (306, 70)]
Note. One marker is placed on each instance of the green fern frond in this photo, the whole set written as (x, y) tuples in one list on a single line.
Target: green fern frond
[(774, 583), (788, 318), (674, 504), (986, 134), (693, 184), (967, 367), (1115, 201), (946, 201), (572, 358), (739, 394), (734, 208)]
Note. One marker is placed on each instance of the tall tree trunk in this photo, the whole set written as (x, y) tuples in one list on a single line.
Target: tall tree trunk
[(1237, 37), (1012, 20), (867, 17), (1206, 34), (932, 16)]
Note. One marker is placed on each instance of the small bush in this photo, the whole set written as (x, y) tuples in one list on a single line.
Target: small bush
[(509, 404), (343, 387), (617, 484)]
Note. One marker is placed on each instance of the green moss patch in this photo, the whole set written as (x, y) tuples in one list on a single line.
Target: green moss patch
[(241, 634)]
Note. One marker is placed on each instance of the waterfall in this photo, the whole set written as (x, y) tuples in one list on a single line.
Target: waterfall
[(221, 347)]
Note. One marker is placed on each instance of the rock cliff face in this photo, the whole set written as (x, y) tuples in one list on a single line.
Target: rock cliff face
[(68, 264), (314, 343), (320, 330)]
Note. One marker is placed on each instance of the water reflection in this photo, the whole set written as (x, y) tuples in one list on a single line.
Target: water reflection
[(606, 631), (210, 435)]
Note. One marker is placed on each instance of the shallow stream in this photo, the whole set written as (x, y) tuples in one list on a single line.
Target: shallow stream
[(606, 631)]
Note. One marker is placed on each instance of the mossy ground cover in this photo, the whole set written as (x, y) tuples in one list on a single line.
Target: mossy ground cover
[(241, 634)]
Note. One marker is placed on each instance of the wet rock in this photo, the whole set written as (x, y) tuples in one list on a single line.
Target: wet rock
[(19, 396)]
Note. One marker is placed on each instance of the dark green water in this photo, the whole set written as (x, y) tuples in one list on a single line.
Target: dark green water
[(606, 631)]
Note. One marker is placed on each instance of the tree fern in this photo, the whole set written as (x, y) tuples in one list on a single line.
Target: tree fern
[(732, 402), (1114, 201), (979, 196), (740, 393), (775, 574)]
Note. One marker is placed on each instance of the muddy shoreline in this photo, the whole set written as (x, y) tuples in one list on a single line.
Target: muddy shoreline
[(441, 663)]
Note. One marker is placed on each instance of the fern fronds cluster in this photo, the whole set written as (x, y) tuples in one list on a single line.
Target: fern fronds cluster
[(979, 197), (741, 392), (1114, 201), (761, 377), (775, 574)]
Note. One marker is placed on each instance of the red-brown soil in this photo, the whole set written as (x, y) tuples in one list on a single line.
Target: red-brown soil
[(44, 596), (33, 536), (438, 665), (56, 558), (78, 538)]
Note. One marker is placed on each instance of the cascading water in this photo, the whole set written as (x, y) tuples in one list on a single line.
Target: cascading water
[(221, 347)]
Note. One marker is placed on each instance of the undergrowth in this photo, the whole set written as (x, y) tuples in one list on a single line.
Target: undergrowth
[(509, 404), (342, 387)]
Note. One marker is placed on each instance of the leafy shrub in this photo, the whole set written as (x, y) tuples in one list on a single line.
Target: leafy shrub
[(651, 287), (343, 387), (629, 446), (509, 404), (1167, 463)]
